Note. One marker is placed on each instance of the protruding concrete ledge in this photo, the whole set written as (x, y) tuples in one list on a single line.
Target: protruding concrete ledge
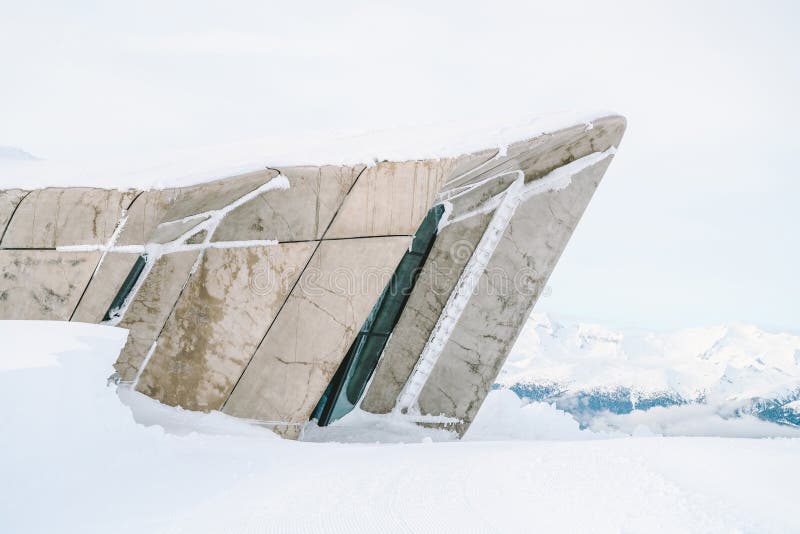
[(150, 307), (253, 293)]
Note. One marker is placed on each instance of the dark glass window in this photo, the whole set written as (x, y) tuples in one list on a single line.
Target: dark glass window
[(126, 288), (350, 380)]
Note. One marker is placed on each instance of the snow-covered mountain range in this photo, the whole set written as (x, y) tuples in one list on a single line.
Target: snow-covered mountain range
[(14, 153), (588, 370)]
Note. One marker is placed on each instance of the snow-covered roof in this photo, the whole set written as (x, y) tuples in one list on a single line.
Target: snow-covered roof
[(197, 165)]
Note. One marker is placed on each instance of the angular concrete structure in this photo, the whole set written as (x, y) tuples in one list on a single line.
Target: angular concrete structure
[(293, 294)]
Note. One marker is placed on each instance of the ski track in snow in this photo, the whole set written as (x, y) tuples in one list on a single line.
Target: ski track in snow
[(71, 448)]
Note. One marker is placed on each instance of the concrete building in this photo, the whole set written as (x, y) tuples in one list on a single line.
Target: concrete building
[(295, 293)]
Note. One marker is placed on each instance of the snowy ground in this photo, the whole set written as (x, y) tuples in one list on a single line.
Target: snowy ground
[(72, 459)]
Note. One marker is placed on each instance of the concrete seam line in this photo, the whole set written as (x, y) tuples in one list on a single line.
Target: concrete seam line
[(113, 239), (11, 218), (210, 230), (289, 293)]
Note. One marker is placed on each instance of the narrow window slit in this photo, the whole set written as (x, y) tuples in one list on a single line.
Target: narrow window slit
[(127, 286), (350, 380)]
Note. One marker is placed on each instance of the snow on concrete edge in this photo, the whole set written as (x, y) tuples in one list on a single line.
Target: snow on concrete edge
[(202, 164)]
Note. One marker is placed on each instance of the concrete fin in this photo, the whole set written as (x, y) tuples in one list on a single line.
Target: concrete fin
[(150, 307), (512, 282)]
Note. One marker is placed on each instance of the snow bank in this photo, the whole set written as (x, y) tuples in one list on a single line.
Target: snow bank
[(191, 166), (73, 459), (505, 416), (68, 446)]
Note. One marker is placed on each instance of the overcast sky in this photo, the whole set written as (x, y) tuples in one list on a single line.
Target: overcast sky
[(695, 223)]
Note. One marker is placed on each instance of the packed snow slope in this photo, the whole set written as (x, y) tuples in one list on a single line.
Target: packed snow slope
[(74, 459), (202, 164), (622, 379)]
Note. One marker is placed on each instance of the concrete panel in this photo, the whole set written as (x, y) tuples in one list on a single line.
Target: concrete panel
[(470, 164), (315, 328), (477, 195), (9, 199), (219, 321), (554, 150), (147, 313), (439, 275), (43, 284), (215, 195), (169, 232), (299, 213), (49, 218), (390, 199), (514, 278), (144, 215), (535, 157), (152, 208), (103, 287), (540, 155)]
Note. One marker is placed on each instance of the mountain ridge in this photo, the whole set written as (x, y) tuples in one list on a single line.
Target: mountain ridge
[(587, 369)]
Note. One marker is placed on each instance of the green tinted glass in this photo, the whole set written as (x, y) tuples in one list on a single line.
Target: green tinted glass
[(350, 380)]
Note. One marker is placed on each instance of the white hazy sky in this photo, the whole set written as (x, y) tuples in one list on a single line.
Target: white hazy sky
[(696, 221)]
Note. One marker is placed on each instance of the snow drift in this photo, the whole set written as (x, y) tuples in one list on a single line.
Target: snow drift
[(73, 459)]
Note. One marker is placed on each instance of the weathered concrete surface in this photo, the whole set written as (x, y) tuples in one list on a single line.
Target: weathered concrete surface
[(390, 199), (164, 233), (218, 322), (9, 199), (215, 195), (144, 215), (469, 164), (150, 307), (227, 337), (49, 218), (43, 284), (300, 213), (315, 328), (103, 287), (152, 208), (469, 363), (436, 281), (516, 274), (197, 238), (540, 155), (477, 197)]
